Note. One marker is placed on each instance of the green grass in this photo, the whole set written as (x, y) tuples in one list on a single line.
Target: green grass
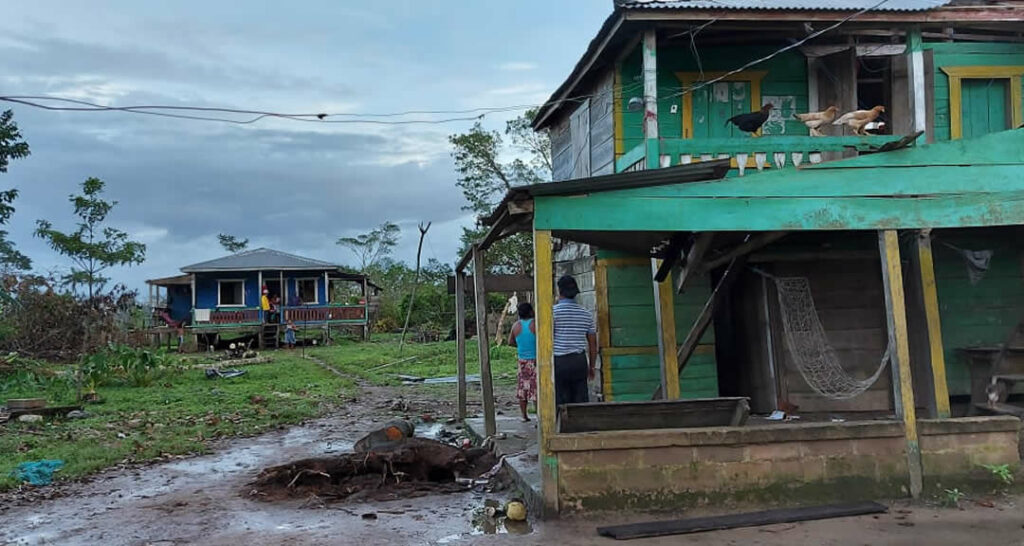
[(362, 359), (179, 414)]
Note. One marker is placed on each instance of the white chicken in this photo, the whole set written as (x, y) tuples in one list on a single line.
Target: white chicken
[(814, 120)]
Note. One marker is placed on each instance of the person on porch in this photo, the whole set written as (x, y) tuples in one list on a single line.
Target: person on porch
[(265, 304), (575, 347), (524, 338)]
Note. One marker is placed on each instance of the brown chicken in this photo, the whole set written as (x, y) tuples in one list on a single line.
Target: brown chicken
[(813, 120), (858, 119)]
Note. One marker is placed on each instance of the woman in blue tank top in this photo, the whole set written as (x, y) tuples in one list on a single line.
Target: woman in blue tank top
[(524, 338)]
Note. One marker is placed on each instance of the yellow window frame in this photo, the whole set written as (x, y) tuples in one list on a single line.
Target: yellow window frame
[(956, 76), (688, 79)]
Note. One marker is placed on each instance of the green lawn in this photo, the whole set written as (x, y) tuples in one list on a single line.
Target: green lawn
[(179, 414), (364, 359)]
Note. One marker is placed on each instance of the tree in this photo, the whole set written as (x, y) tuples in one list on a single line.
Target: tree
[(92, 247), (373, 246), (485, 175), (415, 285), (231, 243), (11, 147)]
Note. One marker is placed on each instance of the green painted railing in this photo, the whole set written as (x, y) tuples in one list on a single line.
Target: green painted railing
[(751, 152)]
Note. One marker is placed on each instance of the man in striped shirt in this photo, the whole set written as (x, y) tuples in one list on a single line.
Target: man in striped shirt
[(575, 333)]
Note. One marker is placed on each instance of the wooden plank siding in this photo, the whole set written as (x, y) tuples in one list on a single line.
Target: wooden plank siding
[(982, 313), (964, 54), (633, 330), (784, 84)]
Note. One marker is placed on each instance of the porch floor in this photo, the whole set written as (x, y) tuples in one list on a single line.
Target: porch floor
[(519, 437)]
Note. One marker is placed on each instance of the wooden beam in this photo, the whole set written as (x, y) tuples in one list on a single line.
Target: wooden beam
[(672, 255), (863, 50), (494, 283), (754, 243), (899, 352), (700, 325), (543, 274), (483, 346), (694, 257), (665, 318), (732, 521), (460, 341), (604, 337), (520, 207), (931, 313)]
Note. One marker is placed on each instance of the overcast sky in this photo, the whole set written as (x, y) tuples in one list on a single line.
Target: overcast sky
[(292, 186)]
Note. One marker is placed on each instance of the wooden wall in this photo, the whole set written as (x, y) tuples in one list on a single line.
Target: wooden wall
[(785, 86), (633, 329), (982, 313), (964, 54), (844, 272), (582, 140)]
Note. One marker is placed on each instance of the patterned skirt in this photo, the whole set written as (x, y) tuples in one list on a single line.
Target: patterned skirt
[(526, 384)]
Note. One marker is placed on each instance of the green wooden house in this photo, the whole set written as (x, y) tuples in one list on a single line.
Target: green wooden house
[(908, 238)]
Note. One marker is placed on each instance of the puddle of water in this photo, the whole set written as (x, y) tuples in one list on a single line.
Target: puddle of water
[(429, 430)]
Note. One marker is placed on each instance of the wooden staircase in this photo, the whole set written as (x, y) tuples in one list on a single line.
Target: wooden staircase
[(270, 336)]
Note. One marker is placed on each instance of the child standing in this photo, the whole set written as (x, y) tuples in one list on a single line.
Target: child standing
[(524, 338), (289, 334)]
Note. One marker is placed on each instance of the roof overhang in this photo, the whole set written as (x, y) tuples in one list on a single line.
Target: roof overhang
[(515, 212), (171, 281)]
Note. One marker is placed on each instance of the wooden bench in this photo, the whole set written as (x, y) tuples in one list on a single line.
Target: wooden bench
[(994, 371)]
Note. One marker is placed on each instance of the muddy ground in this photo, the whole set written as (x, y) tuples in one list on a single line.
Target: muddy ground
[(197, 501)]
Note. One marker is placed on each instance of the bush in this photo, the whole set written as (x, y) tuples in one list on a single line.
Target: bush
[(39, 322), (121, 364)]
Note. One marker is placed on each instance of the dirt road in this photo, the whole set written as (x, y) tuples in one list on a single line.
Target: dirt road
[(202, 501)]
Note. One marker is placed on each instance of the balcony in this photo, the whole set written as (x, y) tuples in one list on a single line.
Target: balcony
[(235, 317), (768, 152)]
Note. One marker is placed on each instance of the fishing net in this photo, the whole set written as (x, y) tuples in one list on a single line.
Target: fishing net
[(816, 360)]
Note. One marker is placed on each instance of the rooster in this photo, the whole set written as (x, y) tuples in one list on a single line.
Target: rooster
[(752, 121), (813, 120), (858, 119)]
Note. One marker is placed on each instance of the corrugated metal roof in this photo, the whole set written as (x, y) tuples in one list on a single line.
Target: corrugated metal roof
[(260, 258), (784, 5)]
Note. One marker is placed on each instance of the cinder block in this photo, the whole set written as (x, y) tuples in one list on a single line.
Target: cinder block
[(945, 463), (843, 466), (668, 456), (721, 454), (774, 451), (826, 448), (740, 475), (879, 446)]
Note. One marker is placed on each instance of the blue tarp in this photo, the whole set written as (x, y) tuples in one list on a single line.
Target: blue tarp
[(37, 472)]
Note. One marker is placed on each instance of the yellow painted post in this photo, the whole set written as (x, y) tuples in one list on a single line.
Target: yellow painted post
[(543, 275), (931, 313), (666, 320), (604, 336), (899, 347)]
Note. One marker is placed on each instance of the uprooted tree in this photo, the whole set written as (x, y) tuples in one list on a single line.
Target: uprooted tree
[(92, 247)]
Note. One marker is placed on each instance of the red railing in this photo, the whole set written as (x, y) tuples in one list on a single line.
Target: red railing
[(353, 313), (240, 316)]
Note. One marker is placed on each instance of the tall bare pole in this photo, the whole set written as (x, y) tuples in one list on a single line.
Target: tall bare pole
[(415, 284)]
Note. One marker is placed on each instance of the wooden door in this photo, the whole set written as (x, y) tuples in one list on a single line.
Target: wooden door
[(716, 103), (984, 106)]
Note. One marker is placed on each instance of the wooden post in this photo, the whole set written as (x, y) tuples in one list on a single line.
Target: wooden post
[(665, 318), (259, 298), (604, 336), (460, 339), (366, 310), (284, 292), (193, 293), (483, 346), (543, 274), (931, 313), (650, 73), (915, 72), (899, 351)]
